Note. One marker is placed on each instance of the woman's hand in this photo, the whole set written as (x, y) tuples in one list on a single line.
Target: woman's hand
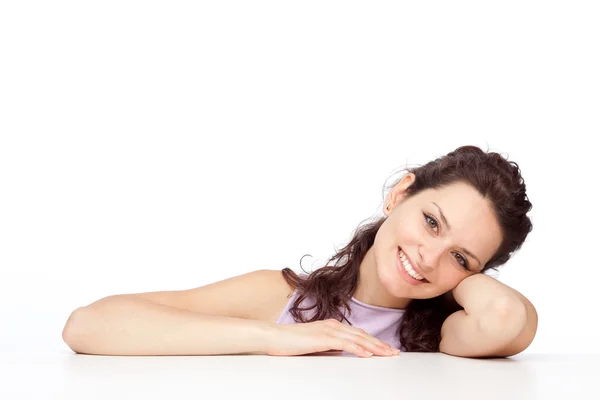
[(319, 336)]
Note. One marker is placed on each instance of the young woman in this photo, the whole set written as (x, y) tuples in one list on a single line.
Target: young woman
[(411, 281)]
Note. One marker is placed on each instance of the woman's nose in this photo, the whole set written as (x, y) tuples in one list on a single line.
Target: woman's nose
[(431, 255)]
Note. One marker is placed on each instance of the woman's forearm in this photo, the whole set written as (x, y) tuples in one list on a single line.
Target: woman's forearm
[(119, 325), (496, 320), (479, 292)]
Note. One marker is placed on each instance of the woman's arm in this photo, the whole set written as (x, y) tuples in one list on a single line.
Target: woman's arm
[(122, 325), (497, 320)]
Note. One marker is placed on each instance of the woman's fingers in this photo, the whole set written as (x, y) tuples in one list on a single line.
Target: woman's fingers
[(363, 333), (367, 341), (371, 346), (357, 344)]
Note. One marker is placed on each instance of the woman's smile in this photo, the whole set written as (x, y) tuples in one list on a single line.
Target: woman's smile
[(406, 270)]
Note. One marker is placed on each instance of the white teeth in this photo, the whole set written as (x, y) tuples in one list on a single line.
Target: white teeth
[(408, 268)]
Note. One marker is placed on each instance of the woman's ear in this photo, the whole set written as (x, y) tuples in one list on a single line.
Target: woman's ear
[(399, 190), (408, 179)]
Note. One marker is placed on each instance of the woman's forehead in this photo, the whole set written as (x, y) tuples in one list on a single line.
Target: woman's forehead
[(470, 215), (455, 192)]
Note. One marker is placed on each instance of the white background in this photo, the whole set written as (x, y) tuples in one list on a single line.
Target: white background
[(166, 145)]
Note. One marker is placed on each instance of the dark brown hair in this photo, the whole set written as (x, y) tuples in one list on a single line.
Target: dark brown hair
[(497, 179)]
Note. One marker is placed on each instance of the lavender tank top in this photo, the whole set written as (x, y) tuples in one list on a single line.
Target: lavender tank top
[(380, 322)]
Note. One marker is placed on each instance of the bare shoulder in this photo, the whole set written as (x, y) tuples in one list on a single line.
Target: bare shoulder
[(276, 276), (282, 291), (260, 295)]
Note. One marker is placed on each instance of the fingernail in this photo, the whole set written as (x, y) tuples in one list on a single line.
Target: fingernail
[(369, 353)]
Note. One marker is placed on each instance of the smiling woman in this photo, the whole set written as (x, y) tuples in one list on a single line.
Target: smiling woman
[(454, 217), (410, 280)]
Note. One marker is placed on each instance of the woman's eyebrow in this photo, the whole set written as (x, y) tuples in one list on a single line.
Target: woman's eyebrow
[(449, 229)]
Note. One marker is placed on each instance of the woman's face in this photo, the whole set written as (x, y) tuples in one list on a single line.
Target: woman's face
[(444, 255)]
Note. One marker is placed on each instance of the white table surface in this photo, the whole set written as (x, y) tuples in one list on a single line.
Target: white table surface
[(66, 375)]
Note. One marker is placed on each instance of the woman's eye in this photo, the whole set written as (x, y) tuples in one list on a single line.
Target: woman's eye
[(428, 218), (464, 262)]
